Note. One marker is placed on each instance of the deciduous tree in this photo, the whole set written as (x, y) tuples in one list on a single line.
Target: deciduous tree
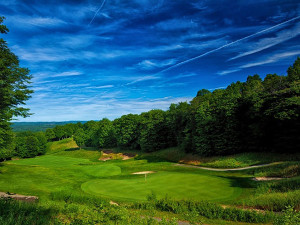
[(14, 91)]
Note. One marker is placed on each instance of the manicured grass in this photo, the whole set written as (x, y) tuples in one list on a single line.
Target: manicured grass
[(79, 186), (174, 184), (50, 161), (101, 170), (65, 169)]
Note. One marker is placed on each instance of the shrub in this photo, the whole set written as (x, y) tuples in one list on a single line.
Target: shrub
[(207, 209), (290, 217)]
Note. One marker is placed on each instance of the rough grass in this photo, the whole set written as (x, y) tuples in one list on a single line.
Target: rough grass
[(17, 213), (243, 160), (62, 145), (231, 161), (275, 201), (284, 170)]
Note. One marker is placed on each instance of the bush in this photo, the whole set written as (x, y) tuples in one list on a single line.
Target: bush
[(290, 217), (275, 201), (207, 209)]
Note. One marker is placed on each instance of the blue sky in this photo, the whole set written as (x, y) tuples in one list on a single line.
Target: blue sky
[(94, 59)]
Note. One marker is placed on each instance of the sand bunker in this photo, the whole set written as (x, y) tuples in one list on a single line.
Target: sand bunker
[(144, 172), (266, 178), (109, 155)]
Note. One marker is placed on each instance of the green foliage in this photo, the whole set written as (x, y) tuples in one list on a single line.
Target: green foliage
[(155, 133), (127, 130), (294, 71), (30, 144), (290, 217), (50, 135), (285, 170), (17, 213), (105, 134), (69, 198), (80, 137), (14, 91), (275, 201), (207, 209), (256, 115), (284, 185), (61, 179)]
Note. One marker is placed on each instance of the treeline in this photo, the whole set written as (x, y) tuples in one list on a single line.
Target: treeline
[(255, 115), (30, 144)]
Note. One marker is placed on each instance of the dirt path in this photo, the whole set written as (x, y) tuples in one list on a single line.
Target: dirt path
[(234, 169)]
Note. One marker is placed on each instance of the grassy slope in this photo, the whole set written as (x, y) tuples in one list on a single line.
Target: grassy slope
[(72, 169), (231, 161), (67, 170)]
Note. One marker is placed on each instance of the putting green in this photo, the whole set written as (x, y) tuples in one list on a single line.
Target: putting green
[(174, 184)]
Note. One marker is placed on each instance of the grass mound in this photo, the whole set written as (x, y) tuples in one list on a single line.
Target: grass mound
[(101, 170), (62, 145)]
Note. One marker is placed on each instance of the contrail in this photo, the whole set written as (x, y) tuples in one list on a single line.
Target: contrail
[(224, 46), (97, 11)]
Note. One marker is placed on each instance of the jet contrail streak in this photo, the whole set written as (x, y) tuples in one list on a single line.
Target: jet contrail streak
[(97, 11), (224, 46)]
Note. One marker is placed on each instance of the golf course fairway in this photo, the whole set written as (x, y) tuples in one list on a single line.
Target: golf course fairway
[(115, 179)]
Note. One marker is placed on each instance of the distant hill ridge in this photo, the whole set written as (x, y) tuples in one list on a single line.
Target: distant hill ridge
[(38, 126)]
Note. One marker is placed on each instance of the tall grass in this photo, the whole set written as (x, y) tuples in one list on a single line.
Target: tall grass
[(70, 198), (207, 209), (20, 213), (275, 201), (285, 170)]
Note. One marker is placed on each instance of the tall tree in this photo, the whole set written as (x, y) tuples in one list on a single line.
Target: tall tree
[(294, 71), (127, 129), (14, 91)]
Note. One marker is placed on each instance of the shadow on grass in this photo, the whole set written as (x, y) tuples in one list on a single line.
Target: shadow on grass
[(85, 148), (72, 149), (241, 182), (151, 158)]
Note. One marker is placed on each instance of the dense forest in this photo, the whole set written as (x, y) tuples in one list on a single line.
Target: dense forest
[(255, 115)]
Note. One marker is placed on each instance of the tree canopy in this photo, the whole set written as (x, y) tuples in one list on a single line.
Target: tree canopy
[(14, 91)]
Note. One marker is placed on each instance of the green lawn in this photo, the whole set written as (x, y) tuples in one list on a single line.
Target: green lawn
[(73, 180), (176, 185), (78, 171)]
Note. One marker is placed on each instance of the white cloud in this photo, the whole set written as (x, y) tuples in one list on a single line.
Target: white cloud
[(36, 21), (102, 87), (266, 60), (225, 72), (144, 78), (152, 64), (272, 59), (76, 108), (67, 74), (269, 42)]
